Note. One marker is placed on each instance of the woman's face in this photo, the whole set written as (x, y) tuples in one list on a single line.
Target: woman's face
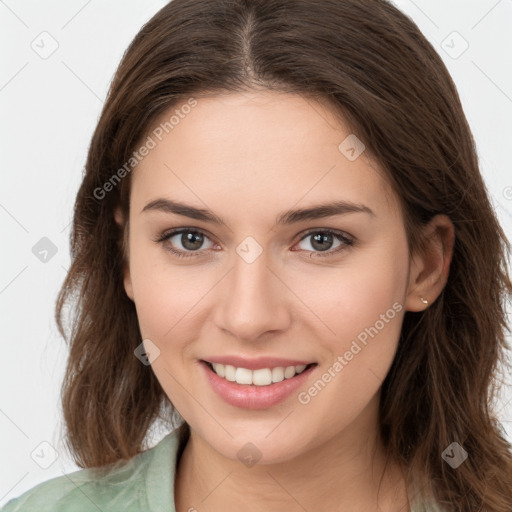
[(259, 281)]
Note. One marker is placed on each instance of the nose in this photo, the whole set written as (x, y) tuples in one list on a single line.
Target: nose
[(253, 300)]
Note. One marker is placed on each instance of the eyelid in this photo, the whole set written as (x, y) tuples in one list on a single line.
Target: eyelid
[(168, 233), (347, 239), (336, 232)]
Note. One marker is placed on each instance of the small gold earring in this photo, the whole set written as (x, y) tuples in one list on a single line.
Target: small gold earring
[(425, 301)]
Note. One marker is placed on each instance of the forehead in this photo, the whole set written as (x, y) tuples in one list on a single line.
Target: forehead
[(257, 149)]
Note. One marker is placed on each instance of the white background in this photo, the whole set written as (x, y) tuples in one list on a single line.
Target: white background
[(49, 110)]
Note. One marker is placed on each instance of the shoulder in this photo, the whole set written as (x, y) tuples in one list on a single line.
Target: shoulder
[(128, 486)]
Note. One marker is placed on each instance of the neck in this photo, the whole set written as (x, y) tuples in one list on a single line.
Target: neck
[(348, 472)]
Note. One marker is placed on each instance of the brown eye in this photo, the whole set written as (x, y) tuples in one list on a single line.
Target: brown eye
[(322, 241), (191, 241), (184, 242)]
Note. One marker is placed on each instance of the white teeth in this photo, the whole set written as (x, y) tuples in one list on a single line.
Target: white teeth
[(277, 374), (289, 372), (229, 372), (261, 377), (243, 376), (219, 369)]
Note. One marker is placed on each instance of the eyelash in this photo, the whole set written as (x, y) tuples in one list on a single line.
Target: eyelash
[(342, 237)]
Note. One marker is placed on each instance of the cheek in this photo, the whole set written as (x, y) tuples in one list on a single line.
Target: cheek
[(167, 295), (354, 296), (371, 291), (163, 302), (366, 311), (154, 291), (366, 316)]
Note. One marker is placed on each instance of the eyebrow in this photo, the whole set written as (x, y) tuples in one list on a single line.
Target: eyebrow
[(286, 218)]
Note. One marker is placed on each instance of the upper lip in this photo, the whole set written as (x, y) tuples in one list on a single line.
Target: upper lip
[(256, 363)]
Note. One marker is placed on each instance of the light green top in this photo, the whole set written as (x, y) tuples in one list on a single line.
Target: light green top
[(144, 483)]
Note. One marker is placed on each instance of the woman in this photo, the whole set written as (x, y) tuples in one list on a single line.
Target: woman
[(283, 239)]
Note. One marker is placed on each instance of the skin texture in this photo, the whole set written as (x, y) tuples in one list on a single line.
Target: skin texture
[(248, 157)]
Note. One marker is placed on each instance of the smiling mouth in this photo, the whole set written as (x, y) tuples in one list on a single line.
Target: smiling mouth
[(260, 377)]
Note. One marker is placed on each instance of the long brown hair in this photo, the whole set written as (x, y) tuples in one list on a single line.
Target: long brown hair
[(376, 69)]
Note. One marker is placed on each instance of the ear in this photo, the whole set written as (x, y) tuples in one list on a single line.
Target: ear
[(429, 269), (123, 224)]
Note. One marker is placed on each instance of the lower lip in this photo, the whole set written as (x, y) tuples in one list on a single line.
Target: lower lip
[(251, 396)]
